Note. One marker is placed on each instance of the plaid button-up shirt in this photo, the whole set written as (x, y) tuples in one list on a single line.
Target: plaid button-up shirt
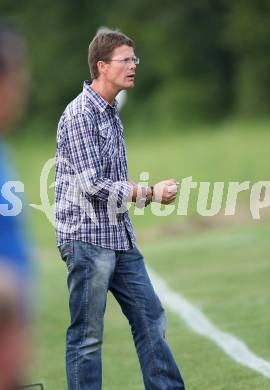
[(91, 186)]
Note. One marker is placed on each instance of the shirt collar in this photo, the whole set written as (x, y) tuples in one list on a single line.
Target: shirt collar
[(95, 98)]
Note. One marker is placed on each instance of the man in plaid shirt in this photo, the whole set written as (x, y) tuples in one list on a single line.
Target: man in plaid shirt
[(94, 233)]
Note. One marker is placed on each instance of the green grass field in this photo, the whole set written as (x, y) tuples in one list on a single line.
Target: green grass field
[(223, 271), (225, 274)]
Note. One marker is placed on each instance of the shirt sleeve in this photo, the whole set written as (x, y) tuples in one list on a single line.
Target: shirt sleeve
[(83, 149)]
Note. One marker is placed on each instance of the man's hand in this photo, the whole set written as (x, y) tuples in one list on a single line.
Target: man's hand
[(165, 191)]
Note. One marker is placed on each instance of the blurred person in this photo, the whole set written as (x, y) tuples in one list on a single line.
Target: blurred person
[(98, 247), (14, 251), (13, 93), (13, 333)]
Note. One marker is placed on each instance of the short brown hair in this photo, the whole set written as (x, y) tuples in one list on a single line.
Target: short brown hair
[(102, 46)]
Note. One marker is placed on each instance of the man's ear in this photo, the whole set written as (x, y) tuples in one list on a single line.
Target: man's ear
[(102, 66)]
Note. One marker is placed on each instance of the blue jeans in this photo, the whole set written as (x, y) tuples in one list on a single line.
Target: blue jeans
[(92, 271)]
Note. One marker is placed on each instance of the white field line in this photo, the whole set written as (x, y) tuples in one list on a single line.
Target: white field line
[(200, 324)]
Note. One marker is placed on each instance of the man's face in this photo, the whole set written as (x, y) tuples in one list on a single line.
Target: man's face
[(13, 95), (120, 70)]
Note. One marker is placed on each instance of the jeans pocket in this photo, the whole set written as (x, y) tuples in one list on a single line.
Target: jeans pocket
[(66, 252)]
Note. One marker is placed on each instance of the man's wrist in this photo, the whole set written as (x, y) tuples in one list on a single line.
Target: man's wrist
[(139, 196), (149, 195), (142, 195), (134, 193)]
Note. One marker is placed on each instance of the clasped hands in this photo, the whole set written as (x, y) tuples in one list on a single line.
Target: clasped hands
[(163, 192)]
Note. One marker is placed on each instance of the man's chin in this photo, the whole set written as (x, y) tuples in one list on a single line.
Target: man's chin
[(125, 86), (129, 85)]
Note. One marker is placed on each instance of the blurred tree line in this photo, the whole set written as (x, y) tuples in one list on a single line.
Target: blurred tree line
[(200, 59)]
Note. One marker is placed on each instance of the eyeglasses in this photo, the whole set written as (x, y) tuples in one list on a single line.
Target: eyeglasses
[(127, 60)]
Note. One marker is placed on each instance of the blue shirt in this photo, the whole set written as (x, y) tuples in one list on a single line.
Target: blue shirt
[(91, 186), (13, 243)]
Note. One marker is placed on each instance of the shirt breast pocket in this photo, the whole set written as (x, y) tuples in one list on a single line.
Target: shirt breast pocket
[(108, 146)]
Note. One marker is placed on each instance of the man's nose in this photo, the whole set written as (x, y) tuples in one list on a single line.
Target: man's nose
[(133, 66)]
